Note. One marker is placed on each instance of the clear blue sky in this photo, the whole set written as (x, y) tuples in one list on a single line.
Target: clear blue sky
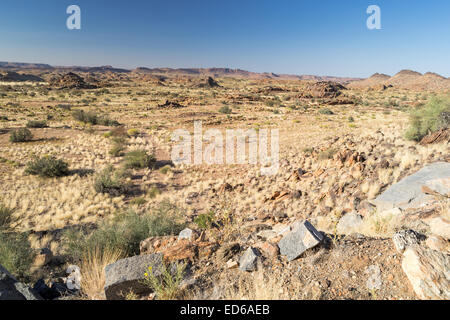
[(297, 37)]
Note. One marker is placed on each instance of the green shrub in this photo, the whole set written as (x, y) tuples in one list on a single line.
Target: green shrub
[(94, 119), (5, 216), (126, 231), (433, 116), (112, 181), (21, 135), (16, 254), (326, 111), (37, 124), (47, 167), (205, 220), (139, 159), (225, 110)]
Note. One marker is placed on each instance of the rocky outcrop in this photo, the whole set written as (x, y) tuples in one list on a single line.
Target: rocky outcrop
[(70, 81), (11, 289), (428, 271), (409, 192)]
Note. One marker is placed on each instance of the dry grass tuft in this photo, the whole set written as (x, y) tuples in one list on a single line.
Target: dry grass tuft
[(93, 271)]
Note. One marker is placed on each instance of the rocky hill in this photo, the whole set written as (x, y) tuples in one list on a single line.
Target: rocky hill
[(405, 79)]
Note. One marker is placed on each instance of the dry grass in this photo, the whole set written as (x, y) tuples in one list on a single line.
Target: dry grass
[(93, 271)]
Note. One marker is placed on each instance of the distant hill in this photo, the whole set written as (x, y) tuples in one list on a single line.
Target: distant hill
[(11, 76), (168, 72), (235, 73), (405, 79)]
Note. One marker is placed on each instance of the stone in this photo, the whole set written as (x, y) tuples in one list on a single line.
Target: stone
[(43, 257), (349, 223), (270, 250), (428, 271), (438, 243), (127, 274), (374, 281), (156, 244), (405, 238), (249, 259), (12, 289), (182, 250), (302, 237), (232, 264), (186, 234), (439, 226), (408, 192)]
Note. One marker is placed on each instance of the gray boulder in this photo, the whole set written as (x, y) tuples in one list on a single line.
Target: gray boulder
[(249, 259), (127, 275), (186, 234), (302, 237), (408, 193), (11, 289)]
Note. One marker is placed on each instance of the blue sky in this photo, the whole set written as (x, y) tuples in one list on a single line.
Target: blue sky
[(297, 37)]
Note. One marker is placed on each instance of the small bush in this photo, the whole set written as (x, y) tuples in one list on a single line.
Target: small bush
[(125, 232), (16, 254), (167, 285), (112, 181), (21, 135), (37, 124), (133, 132), (47, 167), (139, 159), (225, 110), (435, 115), (85, 117), (5, 216), (326, 111), (205, 220), (92, 118)]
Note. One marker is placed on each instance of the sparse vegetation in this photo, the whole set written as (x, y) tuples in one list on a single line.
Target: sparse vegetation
[(16, 254), (21, 135), (167, 285), (434, 116), (47, 167), (139, 159), (37, 124), (112, 181), (125, 232)]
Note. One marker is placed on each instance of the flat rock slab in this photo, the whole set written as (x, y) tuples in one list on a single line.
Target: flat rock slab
[(408, 192), (302, 237), (127, 274), (428, 271), (11, 289)]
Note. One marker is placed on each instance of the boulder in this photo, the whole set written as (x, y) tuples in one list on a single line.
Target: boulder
[(428, 271), (405, 238), (11, 289), (249, 259), (302, 237), (349, 224), (439, 226), (408, 193), (127, 274)]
